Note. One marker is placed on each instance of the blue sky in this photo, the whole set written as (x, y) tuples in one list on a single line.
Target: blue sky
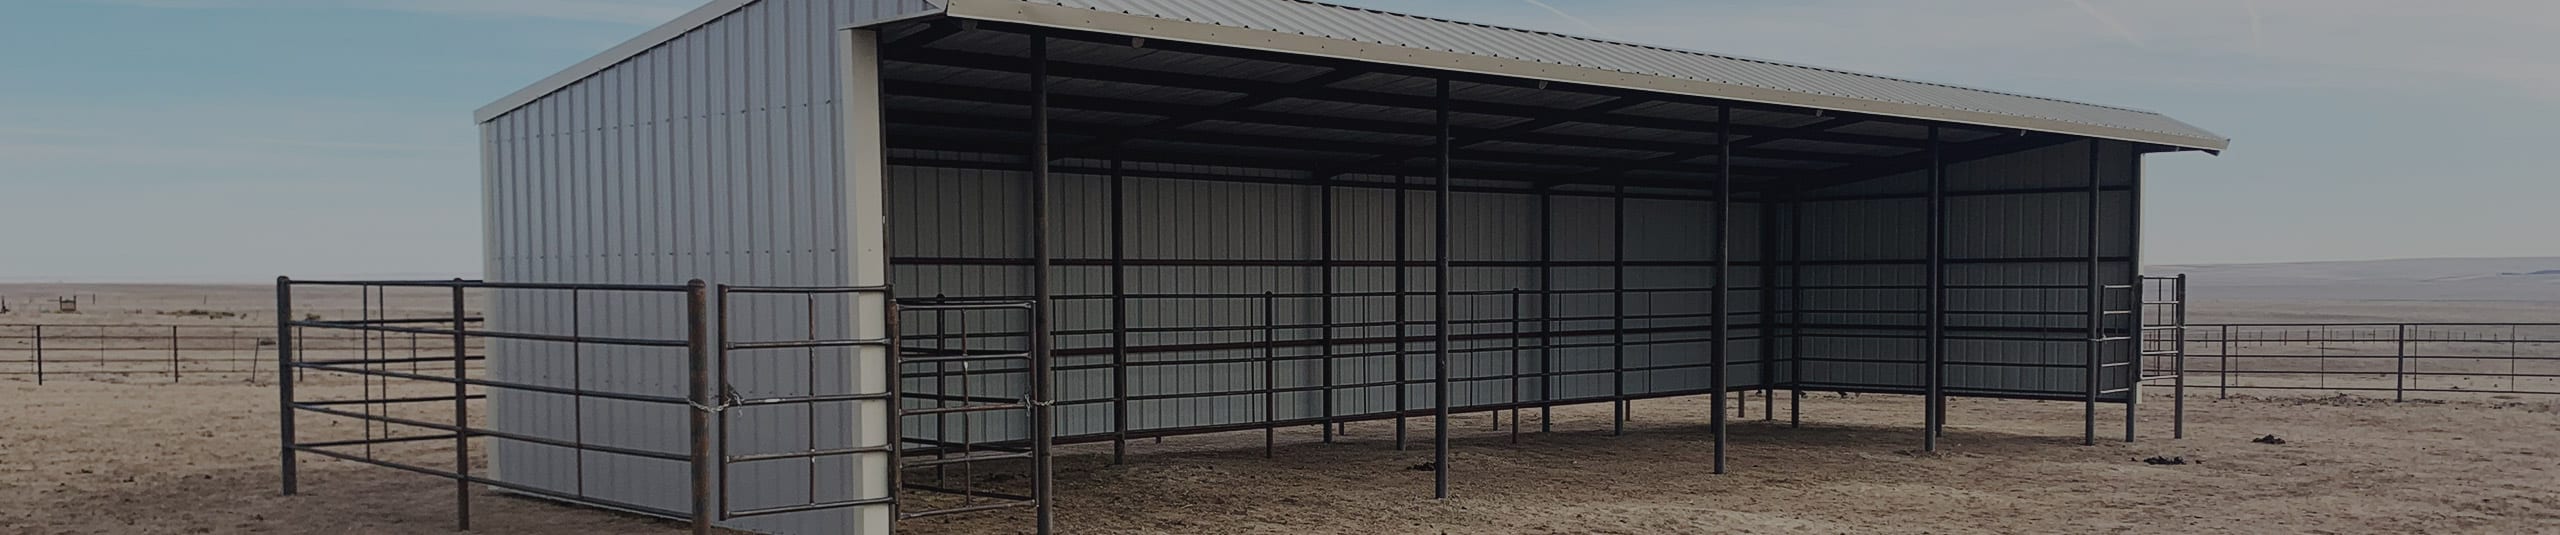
[(233, 140)]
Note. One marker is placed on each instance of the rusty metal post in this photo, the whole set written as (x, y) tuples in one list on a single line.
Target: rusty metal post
[(461, 414), (701, 392)]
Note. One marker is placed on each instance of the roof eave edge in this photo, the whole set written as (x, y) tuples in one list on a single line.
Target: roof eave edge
[(1054, 16), (660, 35)]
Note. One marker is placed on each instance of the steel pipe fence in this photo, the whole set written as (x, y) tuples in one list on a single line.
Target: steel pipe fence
[(407, 418), (2404, 359), (43, 353)]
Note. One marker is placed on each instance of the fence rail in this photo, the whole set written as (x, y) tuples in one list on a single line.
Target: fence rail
[(2435, 359), (180, 353)]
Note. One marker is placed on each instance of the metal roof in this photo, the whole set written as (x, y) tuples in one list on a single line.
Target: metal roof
[(1328, 30)]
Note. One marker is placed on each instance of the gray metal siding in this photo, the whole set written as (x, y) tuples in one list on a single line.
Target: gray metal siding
[(712, 155), (2017, 230), (959, 232)]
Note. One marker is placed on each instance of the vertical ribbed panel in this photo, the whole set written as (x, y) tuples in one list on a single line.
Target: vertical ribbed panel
[(2017, 309), (1204, 251), (711, 156)]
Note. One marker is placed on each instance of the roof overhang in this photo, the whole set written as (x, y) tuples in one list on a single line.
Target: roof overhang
[(1151, 27), (1237, 30)]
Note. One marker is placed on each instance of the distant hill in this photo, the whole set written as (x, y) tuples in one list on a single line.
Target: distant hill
[(2456, 279)]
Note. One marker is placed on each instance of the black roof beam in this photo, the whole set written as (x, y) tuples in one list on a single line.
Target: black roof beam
[(1954, 154), (1185, 118), (934, 90), (1108, 73), (1372, 151), (1421, 72)]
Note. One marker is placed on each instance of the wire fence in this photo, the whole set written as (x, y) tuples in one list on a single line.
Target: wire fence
[(2427, 360), (160, 353)]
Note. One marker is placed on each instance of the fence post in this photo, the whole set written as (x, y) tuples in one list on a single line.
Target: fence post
[(173, 353), (700, 392), (284, 379), (2400, 379), (461, 414), (2226, 362), (39, 355)]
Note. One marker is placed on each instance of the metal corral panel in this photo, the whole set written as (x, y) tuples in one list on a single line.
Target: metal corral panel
[(1314, 28), (712, 154)]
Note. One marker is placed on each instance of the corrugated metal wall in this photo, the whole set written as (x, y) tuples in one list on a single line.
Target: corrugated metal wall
[(2016, 275), (712, 156), (1200, 254)]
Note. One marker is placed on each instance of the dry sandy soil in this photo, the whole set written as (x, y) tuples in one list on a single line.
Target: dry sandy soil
[(113, 458), (102, 456)]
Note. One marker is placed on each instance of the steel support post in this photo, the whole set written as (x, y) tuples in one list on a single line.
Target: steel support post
[(1119, 314), (1767, 334), (1324, 318), (1722, 296), (1935, 375), (1546, 311), (1403, 290), (2178, 404), (1618, 318), (1042, 308), (1440, 306), (2097, 304), (2133, 273), (1795, 308)]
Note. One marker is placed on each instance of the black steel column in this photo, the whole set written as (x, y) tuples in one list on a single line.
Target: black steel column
[(1795, 308), (1936, 374), (1546, 310), (1440, 305), (1041, 427), (284, 380), (1119, 314), (1768, 316), (1722, 302), (2178, 390), (2097, 304), (1325, 317), (1403, 399), (1618, 319), (2133, 272)]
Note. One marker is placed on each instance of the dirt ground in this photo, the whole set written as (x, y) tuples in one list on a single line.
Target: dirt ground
[(112, 455), (116, 458)]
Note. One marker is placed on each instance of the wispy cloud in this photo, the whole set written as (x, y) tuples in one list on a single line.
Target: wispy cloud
[(2257, 31), (2111, 23), (1596, 30), (638, 12)]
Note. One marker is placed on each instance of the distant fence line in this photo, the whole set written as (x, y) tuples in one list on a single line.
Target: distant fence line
[(181, 353), (2399, 358), (2220, 358)]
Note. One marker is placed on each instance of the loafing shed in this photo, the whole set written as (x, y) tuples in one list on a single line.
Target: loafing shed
[(1088, 221)]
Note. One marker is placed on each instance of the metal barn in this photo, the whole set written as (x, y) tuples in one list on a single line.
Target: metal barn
[(950, 232)]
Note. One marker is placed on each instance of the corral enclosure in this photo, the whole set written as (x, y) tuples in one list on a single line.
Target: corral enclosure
[(1238, 215)]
